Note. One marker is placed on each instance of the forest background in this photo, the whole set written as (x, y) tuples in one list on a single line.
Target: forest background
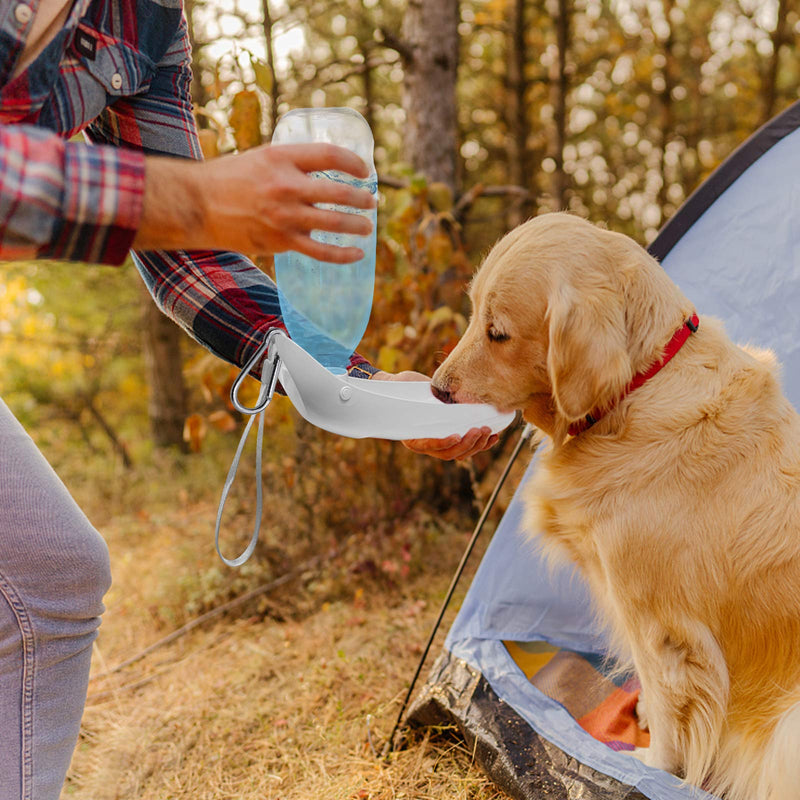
[(484, 113)]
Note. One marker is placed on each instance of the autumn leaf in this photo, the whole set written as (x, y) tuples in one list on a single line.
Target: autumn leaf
[(440, 316), (209, 142), (194, 431), (222, 421), (263, 74), (245, 119), (440, 251)]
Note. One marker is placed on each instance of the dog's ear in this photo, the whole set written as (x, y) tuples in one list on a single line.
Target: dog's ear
[(587, 356)]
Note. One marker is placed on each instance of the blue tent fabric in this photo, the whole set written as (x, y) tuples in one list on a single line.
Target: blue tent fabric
[(734, 249)]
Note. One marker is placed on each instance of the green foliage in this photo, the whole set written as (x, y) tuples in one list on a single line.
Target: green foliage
[(70, 352)]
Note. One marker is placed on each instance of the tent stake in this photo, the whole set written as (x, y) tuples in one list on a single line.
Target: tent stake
[(527, 431)]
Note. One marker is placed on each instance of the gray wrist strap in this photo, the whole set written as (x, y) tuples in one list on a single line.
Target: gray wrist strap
[(264, 396)]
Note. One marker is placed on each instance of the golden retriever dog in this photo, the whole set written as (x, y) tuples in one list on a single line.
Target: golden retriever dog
[(673, 487)]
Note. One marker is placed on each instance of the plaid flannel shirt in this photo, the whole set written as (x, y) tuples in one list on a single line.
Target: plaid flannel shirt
[(119, 71)]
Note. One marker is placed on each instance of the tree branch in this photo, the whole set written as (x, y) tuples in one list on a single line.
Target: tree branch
[(462, 206), (394, 42), (118, 445)]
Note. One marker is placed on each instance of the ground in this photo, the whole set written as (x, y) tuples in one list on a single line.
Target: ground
[(278, 699)]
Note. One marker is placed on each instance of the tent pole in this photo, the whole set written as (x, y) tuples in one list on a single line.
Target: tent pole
[(527, 431)]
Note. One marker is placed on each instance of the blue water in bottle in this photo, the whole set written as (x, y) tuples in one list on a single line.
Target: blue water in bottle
[(326, 307)]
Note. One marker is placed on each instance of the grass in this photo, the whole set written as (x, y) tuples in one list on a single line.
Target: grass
[(278, 702)]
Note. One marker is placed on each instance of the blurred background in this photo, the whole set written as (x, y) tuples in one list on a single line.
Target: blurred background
[(484, 113)]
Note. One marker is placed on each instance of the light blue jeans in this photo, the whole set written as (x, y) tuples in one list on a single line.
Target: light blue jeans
[(54, 571)]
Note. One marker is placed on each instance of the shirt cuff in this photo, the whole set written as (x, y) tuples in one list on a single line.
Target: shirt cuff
[(102, 204), (363, 370)]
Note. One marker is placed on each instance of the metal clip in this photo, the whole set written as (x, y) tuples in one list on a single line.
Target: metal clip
[(264, 396), (274, 358)]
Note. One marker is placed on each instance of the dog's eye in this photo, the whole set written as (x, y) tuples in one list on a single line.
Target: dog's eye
[(495, 335)]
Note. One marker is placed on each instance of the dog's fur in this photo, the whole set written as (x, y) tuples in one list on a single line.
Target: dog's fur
[(681, 506)]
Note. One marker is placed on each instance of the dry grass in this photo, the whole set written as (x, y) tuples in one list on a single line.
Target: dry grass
[(255, 707)]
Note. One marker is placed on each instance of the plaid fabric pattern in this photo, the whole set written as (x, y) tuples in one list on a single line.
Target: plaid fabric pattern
[(118, 71)]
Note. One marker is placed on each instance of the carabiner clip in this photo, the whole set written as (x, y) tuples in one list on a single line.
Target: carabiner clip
[(264, 396), (263, 401)]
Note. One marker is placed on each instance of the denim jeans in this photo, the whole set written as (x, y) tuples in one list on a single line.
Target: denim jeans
[(54, 571)]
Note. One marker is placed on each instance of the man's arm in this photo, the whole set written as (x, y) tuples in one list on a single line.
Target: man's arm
[(65, 200), (216, 295), (261, 201)]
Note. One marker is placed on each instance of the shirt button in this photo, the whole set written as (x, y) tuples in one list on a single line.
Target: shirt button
[(116, 80), (23, 13)]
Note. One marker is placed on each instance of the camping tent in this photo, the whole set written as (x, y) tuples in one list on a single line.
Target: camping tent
[(522, 673)]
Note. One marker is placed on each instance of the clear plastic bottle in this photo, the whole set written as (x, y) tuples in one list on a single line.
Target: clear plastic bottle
[(326, 307)]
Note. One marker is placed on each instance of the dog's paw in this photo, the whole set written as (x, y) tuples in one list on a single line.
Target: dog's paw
[(641, 714), (649, 756), (639, 753)]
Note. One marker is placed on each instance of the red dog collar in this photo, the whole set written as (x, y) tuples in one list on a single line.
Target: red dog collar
[(674, 344)]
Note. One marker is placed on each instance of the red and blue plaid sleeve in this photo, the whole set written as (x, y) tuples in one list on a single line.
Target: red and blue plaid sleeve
[(65, 200), (220, 299)]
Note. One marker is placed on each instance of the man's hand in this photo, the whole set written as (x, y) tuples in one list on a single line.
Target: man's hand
[(451, 448), (261, 202)]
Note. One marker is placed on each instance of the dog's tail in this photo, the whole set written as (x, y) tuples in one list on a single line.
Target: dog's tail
[(751, 767), (780, 772)]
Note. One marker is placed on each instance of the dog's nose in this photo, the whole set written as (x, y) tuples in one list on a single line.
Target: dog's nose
[(442, 394)]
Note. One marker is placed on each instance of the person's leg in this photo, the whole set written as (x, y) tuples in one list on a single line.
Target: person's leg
[(54, 572)]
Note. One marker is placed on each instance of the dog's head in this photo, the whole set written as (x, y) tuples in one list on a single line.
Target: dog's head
[(564, 314)]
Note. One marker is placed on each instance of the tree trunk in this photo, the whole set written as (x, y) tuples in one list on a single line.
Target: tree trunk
[(368, 87), (560, 91), (167, 406), (770, 86), (669, 73), (430, 50), (274, 88), (517, 120), (199, 94)]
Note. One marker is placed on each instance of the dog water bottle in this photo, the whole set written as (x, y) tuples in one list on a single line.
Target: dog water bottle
[(326, 306)]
